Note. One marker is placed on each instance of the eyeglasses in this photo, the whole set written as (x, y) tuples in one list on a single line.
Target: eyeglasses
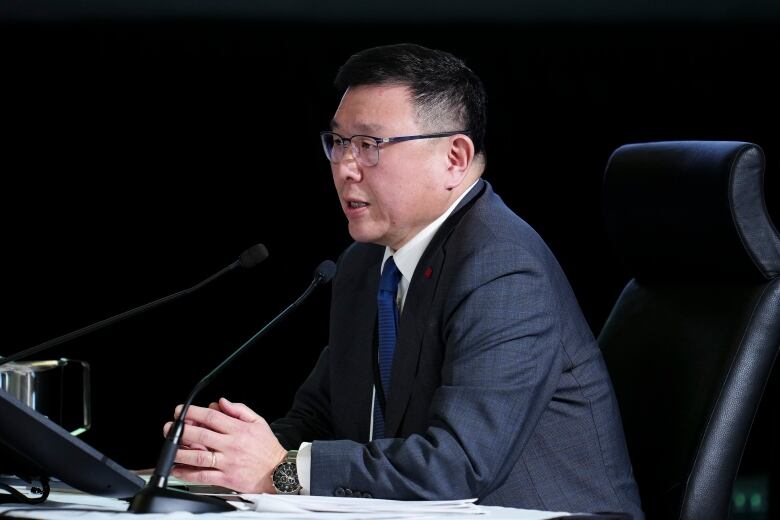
[(365, 148)]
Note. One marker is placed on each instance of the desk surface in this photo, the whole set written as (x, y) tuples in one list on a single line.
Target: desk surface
[(62, 505)]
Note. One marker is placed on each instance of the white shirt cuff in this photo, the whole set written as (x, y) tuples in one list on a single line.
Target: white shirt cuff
[(303, 462)]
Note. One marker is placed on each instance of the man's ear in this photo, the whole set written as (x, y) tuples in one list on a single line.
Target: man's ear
[(460, 156)]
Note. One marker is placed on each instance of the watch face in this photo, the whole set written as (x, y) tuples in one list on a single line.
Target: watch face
[(285, 478)]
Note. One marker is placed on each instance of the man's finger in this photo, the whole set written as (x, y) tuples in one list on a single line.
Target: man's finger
[(201, 459), (238, 411), (212, 419), (203, 437)]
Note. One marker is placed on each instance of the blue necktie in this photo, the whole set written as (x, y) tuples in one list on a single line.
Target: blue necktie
[(388, 325)]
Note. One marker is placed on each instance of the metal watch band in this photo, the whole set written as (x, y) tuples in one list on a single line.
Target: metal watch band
[(284, 477), (292, 456)]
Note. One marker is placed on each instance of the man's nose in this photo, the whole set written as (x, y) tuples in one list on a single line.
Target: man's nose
[(348, 167), (350, 150)]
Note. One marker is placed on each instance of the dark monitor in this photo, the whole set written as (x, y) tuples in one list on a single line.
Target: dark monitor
[(36, 447)]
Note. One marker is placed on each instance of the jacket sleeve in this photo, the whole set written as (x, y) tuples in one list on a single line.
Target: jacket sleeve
[(308, 419)]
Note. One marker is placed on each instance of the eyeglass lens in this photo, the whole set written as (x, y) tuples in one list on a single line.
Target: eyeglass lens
[(364, 149)]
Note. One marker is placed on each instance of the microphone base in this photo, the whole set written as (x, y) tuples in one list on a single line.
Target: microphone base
[(165, 500)]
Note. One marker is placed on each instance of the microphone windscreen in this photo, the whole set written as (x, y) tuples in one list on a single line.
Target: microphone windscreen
[(253, 256), (325, 272)]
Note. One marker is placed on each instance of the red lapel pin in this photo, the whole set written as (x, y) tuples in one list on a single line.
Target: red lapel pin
[(428, 272)]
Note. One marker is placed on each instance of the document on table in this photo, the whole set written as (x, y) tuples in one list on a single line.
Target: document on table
[(318, 504), (377, 508), (78, 506)]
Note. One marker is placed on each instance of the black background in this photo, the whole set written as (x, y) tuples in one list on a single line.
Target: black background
[(143, 151)]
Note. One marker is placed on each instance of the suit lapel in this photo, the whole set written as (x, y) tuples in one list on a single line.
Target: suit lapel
[(414, 320), (354, 360)]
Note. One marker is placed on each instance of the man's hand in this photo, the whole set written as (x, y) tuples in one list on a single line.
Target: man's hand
[(228, 445)]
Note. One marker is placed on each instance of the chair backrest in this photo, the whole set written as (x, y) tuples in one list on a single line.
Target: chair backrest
[(692, 339)]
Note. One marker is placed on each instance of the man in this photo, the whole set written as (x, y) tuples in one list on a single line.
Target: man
[(481, 377)]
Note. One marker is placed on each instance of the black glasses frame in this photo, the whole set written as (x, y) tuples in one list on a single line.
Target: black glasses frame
[(378, 141)]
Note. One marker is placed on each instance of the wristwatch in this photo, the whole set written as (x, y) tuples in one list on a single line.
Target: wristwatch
[(285, 476)]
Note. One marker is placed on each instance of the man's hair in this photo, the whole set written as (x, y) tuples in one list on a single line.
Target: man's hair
[(448, 96)]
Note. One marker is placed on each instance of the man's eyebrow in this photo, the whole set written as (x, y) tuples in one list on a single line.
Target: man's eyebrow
[(369, 128), (362, 128)]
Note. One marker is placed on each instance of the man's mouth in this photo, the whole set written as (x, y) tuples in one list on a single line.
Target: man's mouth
[(356, 204)]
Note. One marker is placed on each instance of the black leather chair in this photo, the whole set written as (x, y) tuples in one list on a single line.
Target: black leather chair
[(691, 341)]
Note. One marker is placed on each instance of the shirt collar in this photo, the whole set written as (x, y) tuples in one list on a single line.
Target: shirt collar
[(408, 255)]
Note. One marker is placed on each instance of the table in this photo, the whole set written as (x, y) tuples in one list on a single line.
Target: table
[(75, 505)]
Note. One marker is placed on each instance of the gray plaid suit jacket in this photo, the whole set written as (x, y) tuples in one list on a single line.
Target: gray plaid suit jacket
[(499, 390)]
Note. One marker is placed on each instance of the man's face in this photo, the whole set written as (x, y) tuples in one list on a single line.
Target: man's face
[(392, 201)]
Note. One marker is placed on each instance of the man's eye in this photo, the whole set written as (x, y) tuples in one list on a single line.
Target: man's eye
[(367, 145), (338, 141)]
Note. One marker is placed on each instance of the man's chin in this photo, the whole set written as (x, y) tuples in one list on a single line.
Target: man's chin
[(364, 236)]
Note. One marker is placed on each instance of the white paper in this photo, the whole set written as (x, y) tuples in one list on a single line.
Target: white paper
[(309, 503)]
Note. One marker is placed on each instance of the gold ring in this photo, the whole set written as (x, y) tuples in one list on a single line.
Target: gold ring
[(213, 459)]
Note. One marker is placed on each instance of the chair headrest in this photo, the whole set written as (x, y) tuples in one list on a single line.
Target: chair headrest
[(691, 210)]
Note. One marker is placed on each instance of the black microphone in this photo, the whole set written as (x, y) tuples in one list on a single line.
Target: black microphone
[(155, 497), (249, 258)]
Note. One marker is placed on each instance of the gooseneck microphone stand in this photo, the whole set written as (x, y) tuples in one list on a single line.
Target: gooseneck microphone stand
[(156, 497)]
